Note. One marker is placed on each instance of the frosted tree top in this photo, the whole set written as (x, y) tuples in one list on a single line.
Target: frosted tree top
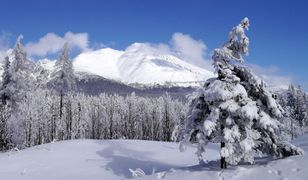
[(234, 49)]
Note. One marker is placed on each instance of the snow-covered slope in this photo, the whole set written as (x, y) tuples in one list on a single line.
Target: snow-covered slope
[(140, 64), (102, 62), (115, 159)]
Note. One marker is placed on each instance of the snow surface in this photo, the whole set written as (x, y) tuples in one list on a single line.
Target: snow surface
[(94, 159), (117, 159)]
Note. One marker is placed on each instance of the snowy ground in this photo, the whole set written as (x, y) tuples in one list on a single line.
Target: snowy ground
[(113, 159)]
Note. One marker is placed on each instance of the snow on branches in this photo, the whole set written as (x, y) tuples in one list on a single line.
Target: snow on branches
[(236, 109)]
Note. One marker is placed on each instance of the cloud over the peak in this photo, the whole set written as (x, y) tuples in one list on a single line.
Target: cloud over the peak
[(182, 46), (52, 43), (189, 49)]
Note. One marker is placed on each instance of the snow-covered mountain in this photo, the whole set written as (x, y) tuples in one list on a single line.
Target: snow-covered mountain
[(140, 64)]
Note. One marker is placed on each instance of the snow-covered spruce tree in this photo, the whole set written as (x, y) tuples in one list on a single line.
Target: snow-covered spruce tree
[(63, 81), (236, 109), (301, 106), (17, 81), (17, 77)]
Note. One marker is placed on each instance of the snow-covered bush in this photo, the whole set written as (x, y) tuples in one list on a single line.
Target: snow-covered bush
[(236, 108)]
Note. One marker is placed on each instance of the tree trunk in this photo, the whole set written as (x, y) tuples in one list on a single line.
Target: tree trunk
[(61, 104), (292, 130), (223, 163)]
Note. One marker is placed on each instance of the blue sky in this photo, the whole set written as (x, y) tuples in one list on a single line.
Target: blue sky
[(278, 31)]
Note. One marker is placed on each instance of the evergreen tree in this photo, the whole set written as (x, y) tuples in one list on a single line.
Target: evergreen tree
[(17, 77), (236, 109), (292, 120), (300, 105), (63, 79)]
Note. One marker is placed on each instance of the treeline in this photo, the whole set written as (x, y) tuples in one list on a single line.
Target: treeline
[(40, 119)]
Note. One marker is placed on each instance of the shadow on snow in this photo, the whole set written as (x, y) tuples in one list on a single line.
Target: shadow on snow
[(121, 159)]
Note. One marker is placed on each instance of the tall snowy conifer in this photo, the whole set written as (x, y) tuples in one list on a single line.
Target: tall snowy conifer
[(236, 109), (62, 79), (17, 77)]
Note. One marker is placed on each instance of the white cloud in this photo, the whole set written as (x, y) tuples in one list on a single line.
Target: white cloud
[(190, 50), (52, 43), (271, 76), (2, 55), (4, 44), (182, 46)]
